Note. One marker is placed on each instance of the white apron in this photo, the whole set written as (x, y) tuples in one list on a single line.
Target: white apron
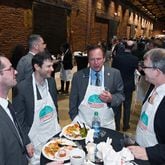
[(65, 75), (145, 134), (45, 124), (92, 103)]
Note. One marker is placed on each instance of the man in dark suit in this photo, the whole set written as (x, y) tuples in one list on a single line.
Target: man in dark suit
[(150, 132), (126, 63), (97, 88), (35, 101), (12, 146)]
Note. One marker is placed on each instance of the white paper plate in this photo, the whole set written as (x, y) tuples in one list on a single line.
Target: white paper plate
[(69, 136), (63, 141)]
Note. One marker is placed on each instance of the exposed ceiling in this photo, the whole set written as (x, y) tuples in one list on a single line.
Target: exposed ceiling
[(154, 9)]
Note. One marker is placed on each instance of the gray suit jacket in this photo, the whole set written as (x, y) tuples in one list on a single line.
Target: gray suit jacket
[(112, 81), (23, 102), (11, 150), (24, 67)]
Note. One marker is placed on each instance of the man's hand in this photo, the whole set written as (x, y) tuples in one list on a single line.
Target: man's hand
[(138, 152), (30, 149), (106, 96)]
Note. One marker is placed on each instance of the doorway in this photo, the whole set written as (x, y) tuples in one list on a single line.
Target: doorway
[(50, 22)]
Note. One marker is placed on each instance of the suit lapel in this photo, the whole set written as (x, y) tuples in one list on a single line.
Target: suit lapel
[(85, 80), (31, 94), (10, 124), (107, 75)]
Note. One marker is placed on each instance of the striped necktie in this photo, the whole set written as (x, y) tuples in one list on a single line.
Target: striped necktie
[(97, 79)]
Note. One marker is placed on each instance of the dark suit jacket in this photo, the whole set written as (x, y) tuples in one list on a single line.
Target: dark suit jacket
[(11, 150), (156, 153), (112, 81), (126, 63), (67, 61), (23, 102)]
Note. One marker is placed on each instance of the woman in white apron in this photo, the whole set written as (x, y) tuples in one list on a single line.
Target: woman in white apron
[(45, 124), (66, 68), (92, 103)]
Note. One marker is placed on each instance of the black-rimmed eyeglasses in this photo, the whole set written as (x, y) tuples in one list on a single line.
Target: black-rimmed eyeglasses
[(141, 64), (8, 69), (148, 67)]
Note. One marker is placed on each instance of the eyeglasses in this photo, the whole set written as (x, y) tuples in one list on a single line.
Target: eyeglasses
[(148, 67), (8, 69), (141, 64)]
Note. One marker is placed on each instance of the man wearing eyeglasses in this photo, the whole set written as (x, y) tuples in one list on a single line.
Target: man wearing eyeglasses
[(97, 88), (36, 44), (150, 132), (12, 144)]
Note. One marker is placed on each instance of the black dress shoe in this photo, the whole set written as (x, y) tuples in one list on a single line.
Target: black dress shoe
[(117, 129), (126, 128), (60, 91)]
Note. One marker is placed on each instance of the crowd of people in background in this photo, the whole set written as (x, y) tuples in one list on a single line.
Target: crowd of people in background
[(106, 86)]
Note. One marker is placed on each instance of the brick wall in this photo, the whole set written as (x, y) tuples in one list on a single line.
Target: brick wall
[(14, 26), (83, 26), (79, 24)]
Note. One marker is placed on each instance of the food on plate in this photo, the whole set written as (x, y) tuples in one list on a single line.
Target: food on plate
[(62, 153), (59, 146), (75, 131), (52, 148)]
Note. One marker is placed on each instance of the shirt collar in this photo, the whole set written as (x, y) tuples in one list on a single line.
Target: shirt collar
[(93, 72), (3, 103), (32, 53), (161, 90)]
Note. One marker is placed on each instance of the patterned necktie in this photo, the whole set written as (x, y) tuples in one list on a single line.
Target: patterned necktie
[(152, 97), (97, 79)]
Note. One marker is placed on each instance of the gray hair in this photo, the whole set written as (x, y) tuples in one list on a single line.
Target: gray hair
[(157, 57), (33, 39)]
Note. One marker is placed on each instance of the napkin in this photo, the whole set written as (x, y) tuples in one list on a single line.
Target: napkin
[(126, 154), (89, 137), (110, 156)]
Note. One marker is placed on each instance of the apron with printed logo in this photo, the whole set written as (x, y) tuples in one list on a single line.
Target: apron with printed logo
[(92, 103), (45, 124), (145, 134)]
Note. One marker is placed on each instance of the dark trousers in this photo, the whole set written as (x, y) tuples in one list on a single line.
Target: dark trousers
[(126, 111)]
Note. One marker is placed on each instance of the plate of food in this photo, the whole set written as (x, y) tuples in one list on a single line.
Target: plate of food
[(58, 149), (75, 131)]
